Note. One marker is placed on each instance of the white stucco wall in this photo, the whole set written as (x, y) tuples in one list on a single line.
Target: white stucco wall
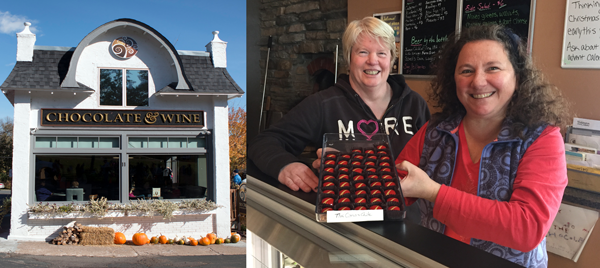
[(221, 144), (20, 165)]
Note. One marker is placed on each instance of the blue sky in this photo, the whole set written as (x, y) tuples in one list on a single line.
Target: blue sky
[(187, 24)]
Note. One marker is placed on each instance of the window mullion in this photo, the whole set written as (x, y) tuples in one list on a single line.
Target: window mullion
[(124, 87)]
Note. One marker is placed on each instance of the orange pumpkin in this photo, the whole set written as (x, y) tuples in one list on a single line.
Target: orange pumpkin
[(120, 238), (193, 242), (140, 239), (219, 241), (212, 237), (162, 239), (235, 238), (205, 241)]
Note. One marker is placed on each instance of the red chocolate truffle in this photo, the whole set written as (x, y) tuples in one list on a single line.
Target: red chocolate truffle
[(374, 157), (343, 177), (390, 184), (382, 152), (329, 169), (385, 157), (375, 184), (344, 200), (328, 177), (384, 164), (344, 208), (374, 200), (330, 162), (373, 177), (360, 208), (360, 200), (357, 170), (387, 177), (356, 151), (358, 178), (369, 163), (389, 192), (360, 192), (369, 151), (386, 169), (343, 169), (355, 163), (344, 184), (328, 192), (346, 156), (330, 156), (393, 199), (359, 157), (326, 209), (371, 169), (343, 163), (375, 191), (328, 184), (327, 201), (381, 147), (393, 208), (375, 207), (344, 192), (359, 185)]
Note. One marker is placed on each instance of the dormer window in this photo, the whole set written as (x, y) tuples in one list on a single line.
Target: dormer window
[(123, 87)]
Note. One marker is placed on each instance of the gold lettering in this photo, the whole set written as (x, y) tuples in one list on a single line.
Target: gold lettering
[(178, 121), (60, 117), (106, 118), (98, 120), (138, 118), (186, 118), (78, 117), (48, 117), (167, 118), (83, 117), (118, 117), (196, 118), (128, 115)]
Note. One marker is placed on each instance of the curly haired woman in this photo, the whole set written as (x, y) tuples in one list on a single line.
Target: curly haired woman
[(489, 169)]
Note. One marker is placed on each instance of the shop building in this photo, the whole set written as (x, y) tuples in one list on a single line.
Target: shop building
[(125, 116)]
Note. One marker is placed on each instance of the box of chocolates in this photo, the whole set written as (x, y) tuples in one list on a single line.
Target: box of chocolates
[(358, 180)]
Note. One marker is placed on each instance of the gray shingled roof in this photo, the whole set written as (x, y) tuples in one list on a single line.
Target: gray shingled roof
[(46, 72), (49, 68), (204, 77)]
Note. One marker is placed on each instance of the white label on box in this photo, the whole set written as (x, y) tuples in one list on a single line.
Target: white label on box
[(354, 215)]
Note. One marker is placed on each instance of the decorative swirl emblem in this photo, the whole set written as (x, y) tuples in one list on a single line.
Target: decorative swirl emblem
[(151, 118), (124, 47)]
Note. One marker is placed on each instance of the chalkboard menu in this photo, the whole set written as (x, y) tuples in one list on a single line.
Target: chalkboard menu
[(427, 24), (514, 14), (581, 38)]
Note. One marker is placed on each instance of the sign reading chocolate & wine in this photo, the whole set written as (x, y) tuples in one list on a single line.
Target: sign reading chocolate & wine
[(121, 118)]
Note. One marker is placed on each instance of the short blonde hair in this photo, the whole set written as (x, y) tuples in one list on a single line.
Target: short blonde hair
[(372, 27)]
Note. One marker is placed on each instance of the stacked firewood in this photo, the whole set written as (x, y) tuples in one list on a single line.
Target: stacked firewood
[(70, 235)]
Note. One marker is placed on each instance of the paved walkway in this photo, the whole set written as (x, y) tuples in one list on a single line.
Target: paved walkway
[(127, 250)]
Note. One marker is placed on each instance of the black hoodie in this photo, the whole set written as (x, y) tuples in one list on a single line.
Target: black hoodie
[(338, 109)]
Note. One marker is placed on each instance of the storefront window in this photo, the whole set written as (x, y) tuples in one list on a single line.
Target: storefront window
[(77, 142), (123, 87), (167, 176), (167, 142), (76, 177)]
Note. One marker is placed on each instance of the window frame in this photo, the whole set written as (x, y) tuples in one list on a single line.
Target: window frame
[(124, 152), (123, 87)]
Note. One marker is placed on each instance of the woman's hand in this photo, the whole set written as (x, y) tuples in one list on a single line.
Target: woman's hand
[(298, 176), (417, 184)]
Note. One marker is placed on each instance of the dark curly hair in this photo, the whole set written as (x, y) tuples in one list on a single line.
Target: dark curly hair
[(535, 101)]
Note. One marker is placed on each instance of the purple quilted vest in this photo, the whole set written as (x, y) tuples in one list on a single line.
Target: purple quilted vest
[(497, 171)]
